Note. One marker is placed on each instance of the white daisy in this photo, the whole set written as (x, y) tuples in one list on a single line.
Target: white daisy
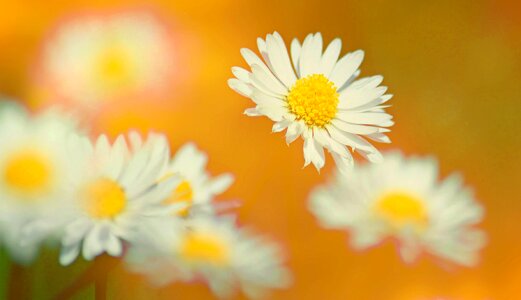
[(213, 250), (35, 170), (197, 188), (317, 97), (120, 189), (402, 198), (101, 57)]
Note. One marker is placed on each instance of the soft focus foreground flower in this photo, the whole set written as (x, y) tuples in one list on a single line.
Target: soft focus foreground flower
[(35, 170), (119, 190), (316, 97), (402, 198), (197, 188), (102, 57), (213, 250)]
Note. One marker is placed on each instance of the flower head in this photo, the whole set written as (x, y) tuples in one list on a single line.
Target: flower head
[(35, 170), (119, 191), (197, 188), (316, 96), (103, 57), (402, 198), (213, 250)]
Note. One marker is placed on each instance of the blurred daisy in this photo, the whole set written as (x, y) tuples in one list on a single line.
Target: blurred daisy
[(119, 190), (316, 97), (35, 170), (213, 250), (104, 57), (402, 198), (197, 188)]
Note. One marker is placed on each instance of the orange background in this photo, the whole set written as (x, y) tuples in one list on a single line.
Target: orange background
[(453, 66)]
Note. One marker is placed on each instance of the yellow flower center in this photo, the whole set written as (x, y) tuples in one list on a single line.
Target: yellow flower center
[(183, 193), (313, 99), (104, 198), (400, 209), (114, 68), (205, 248), (28, 172)]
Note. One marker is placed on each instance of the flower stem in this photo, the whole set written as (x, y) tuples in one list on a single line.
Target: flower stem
[(101, 288), (97, 273), (19, 282)]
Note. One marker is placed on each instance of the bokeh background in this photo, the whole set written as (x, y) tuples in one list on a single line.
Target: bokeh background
[(454, 67)]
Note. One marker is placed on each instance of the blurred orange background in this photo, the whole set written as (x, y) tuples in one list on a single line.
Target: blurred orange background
[(453, 66)]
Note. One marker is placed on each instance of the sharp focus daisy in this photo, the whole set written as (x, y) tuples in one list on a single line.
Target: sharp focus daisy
[(120, 189), (403, 199), (212, 250), (102, 57), (197, 188), (35, 170), (316, 96)]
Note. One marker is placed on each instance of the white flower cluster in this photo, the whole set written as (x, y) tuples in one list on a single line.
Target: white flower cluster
[(124, 198)]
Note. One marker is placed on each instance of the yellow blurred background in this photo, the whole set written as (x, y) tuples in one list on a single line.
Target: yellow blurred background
[(453, 66)]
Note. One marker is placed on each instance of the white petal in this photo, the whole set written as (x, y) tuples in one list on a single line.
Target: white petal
[(92, 246), (221, 183), (372, 155), (275, 113), (344, 164), (266, 81), (330, 57), (346, 67), (280, 61), (263, 99), (280, 126), (311, 56), (69, 253), (306, 47), (102, 148), (366, 118), (240, 87), (252, 112), (379, 137), (113, 246), (314, 153), (295, 129), (322, 136), (295, 55), (252, 59), (349, 139), (118, 157), (353, 128), (241, 74)]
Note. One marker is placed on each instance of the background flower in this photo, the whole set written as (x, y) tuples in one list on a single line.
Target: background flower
[(402, 198)]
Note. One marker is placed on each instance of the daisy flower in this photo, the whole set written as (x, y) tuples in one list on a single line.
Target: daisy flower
[(212, 250), (197, 188), (402, 198), (35, 169), (316, 96), (120, 189), (101, 57)]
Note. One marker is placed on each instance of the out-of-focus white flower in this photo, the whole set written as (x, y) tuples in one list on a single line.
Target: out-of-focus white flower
[(213, 250), (197, 188), (316, 97), (102, 57), (36, 168), (119, 190), (402, 198)]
